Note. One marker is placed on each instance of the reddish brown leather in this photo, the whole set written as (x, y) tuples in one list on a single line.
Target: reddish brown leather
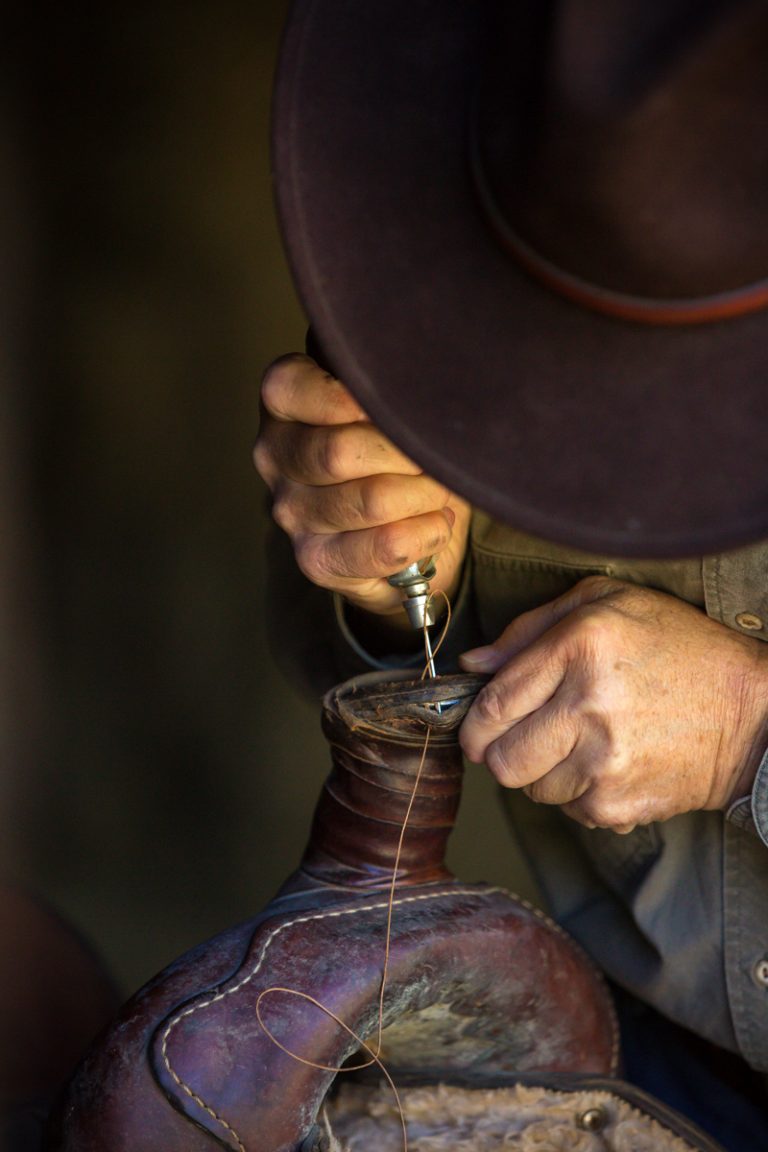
[(479, 983), (377, 733)]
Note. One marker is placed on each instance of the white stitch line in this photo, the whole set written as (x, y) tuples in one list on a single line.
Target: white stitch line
[(236, 987), (327, 916)]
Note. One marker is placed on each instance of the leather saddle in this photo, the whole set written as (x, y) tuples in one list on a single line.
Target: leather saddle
[(482, 988)]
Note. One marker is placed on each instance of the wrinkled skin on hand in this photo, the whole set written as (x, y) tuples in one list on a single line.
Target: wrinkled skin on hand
[(622, 705), (356, 509)]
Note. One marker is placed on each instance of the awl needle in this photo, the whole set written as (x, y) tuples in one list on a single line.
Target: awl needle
[(428, 649)]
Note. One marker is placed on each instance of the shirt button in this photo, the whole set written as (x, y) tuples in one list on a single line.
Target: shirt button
[(750, 621), (760, 972)]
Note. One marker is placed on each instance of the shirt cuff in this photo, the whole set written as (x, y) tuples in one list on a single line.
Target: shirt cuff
[(751, 812)]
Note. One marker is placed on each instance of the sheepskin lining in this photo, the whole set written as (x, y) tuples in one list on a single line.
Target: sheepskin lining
[(445, 1118)]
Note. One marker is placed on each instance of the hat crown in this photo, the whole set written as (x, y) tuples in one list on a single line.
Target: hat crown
[(627, 145), (575, 339)]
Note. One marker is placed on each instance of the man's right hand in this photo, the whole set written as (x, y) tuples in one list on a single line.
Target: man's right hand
[(355, 508)]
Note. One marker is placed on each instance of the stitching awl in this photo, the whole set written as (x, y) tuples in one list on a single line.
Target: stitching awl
[(413, 582)]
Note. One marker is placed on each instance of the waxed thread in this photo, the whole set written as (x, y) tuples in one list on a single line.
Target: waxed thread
[(338, 913), (374, 1053), (425, 626)]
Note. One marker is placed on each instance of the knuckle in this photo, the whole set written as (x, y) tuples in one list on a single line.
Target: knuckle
[(390, 547), (603, 812), (310, 557), (440, 535), (596, 584), (589, 620), (283, 514), (501, 764), (596, 629), (336, 454), (489, 705), (262, 460), (373, 502), (588, 811), (538, 792)]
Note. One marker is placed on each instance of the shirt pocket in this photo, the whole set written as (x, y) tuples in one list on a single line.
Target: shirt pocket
[(507, 585), (515, 572)]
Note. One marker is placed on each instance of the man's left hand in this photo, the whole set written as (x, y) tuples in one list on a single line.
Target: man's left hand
[(622, 705)]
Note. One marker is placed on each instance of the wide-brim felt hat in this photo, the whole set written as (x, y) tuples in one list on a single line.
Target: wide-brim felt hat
[(532, 239)]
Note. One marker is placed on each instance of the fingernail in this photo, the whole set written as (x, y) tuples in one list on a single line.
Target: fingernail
[(450, 516), (478, 658)]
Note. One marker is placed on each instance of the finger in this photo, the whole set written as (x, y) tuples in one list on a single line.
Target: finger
[(571, 784), (325, 455), (580, 811), (608, 800), (294, 388), (329, 559), (530, 626), (525, 755), (523, 686), (356, 504), (565, 782)]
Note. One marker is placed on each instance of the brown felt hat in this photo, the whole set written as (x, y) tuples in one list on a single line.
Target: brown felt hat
[(533, 239)]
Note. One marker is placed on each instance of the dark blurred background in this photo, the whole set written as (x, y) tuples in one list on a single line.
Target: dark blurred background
[(158, 773)]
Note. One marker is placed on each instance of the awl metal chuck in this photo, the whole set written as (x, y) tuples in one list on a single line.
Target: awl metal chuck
[(413, 582)]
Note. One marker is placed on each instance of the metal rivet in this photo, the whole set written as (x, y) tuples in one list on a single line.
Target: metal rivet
[(593, 1120), (760, 972), (750, 621)]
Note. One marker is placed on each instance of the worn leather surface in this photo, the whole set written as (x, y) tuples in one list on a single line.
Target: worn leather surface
[(479, 983)]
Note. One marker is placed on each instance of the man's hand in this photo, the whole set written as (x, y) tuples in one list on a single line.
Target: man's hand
[(356, 509), (621, 705)]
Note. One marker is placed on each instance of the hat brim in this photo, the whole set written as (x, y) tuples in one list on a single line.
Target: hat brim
[(610, 436)]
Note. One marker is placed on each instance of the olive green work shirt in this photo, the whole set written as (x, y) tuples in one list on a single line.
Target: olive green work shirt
[(676, 911)]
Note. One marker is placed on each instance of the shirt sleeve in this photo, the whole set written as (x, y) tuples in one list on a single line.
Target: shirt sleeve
[(751, 812)]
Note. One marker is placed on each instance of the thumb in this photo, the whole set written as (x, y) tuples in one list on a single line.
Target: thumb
[(489, 658), (530, 626)]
